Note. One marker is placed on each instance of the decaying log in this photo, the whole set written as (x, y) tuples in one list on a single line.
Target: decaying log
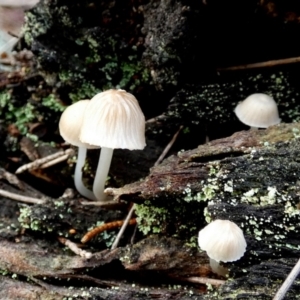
[(251, 178), (163, 257)]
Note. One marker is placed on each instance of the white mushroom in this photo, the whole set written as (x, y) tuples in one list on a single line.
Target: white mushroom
[(69, 127), (223, 241), (258, 111), (112, 119)]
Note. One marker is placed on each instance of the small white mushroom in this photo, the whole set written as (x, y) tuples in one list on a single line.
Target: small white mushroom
[(69, 127), (258, 111), (113, 119), (223, 241)]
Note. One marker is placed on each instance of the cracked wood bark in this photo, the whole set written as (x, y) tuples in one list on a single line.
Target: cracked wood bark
[(251, 178), (33, 258)]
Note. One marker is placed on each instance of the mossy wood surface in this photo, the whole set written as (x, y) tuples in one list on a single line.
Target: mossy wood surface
[(251, 178)]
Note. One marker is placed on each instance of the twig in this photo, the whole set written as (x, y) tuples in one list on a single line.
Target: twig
[(105, 204), (55, 161), (288, 282), (12, 179), (270, 63), (201, 280), (124, 225), (21, 198), (73, 247), (166, 150), (155, 119), (108, 226), (134, 234), (39, 162)]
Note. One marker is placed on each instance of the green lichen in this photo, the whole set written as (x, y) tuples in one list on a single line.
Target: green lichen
[(26, 220), (44, 220), (24, 217), (258, 190), (149, 218)]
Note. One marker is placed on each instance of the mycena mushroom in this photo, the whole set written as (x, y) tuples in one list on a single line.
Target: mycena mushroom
[(69, 127), (113, 119), (258, 111), (224, 241)]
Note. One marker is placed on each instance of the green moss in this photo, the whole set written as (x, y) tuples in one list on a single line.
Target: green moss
[(52, 103), (87, 58), (149, 218), (22, 114), (84, 91), (31, 28)]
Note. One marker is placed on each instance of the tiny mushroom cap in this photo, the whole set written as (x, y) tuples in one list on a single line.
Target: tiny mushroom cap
[(114, 119), (258, 110), (70, 124), (223, 241), (69, 127)]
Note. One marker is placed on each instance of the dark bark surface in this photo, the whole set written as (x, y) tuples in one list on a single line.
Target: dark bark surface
[(250, 178)]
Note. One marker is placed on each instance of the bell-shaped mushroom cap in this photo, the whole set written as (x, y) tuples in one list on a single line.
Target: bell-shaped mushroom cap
[(70, 123), (258, 110), (114, 119), (222, 240)]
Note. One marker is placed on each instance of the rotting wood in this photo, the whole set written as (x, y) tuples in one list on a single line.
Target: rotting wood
[(174, 184), (251, 178)]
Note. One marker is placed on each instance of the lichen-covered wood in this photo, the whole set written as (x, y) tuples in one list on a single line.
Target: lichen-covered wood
[(250, 178)]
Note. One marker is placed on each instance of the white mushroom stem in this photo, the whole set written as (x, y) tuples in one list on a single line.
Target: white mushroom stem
[(217, 268), (78, 175), (102, 172)]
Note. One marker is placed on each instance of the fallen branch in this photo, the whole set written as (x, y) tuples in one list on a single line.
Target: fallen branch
[(270, 63), (73, 247), (55, 161), (202, 280), (21, 198), (42, 162), (124, 225)]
